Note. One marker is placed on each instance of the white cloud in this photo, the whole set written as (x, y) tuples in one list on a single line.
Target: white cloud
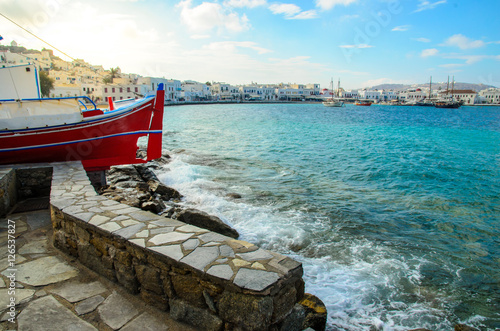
[(287, 9), (349, 17), (329, 4), (429, 52), (208, 15), (401, 28), (305, 15), (292, 11), (360, 46), (427, 5), (200, 36), (451, 65), (231, 46), (422, 40), (245, 3), (470, 59), (462, 42)]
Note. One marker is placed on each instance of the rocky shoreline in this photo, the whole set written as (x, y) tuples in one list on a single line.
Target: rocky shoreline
[(138, 186)]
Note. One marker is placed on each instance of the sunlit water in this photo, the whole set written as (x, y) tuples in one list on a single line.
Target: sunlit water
[(393, 211)]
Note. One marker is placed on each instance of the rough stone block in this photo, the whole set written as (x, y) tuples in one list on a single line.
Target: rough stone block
[(149, 278), (246, 311), (295, 320), (283, 303), (202, 318), (188, 288), (126, 277), (154, 299), (315, 311)]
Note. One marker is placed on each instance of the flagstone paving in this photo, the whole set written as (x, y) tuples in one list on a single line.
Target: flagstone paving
[(53, 293)]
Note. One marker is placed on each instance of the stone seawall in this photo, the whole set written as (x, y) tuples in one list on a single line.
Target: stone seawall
[(203, 278)]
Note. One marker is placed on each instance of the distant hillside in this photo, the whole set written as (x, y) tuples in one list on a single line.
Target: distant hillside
[(435, 86)]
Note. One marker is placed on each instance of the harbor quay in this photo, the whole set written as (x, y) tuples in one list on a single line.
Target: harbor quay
[(99, 264)]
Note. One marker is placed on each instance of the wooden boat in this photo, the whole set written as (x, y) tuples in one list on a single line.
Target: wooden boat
[(447, 104), (362, 103), (34, 130)]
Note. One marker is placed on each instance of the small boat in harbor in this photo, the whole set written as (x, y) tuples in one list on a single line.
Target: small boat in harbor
[(447, 104), (35, 129), (334, 102), (363, 103)]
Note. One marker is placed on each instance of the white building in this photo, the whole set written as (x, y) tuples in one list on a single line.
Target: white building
[(173, 88), (123, 92), (370, 95), (194, 91), (413, 95), (251, 92), (223, 91), (66, 90), (491, 95), (468, 97), (350, 94)]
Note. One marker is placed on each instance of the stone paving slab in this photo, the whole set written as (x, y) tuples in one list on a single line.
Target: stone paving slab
[(43, 271), (145, 322), (116, 311), (21, 296), (77, 291), (89, 305), (45, 307), (48, 314)]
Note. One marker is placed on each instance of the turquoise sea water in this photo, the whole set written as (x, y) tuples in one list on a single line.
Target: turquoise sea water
[(393, 211)]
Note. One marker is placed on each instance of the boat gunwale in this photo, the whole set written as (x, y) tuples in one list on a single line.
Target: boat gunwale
[(109, 115)]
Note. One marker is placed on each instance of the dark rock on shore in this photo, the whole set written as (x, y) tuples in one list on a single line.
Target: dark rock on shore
[(166, 193), (315, 311), (138, 186), (209, 222), (463, 327)]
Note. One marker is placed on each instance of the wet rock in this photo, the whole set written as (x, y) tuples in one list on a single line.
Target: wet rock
[(463, 327), (154, 206), (234, 195), (206, 221), (146, 173), (315, 311), (166, 193)]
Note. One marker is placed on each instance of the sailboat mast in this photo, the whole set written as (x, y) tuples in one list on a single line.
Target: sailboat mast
[(452, 87), (430, 88), (448, 87)]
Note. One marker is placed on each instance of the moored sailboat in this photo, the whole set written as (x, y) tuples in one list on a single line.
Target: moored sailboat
[(334, 102)]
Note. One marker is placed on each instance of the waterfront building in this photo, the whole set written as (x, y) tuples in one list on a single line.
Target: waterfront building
[(370, 95), (489, 96), (251, 92), (195, 91), (223, 91), (350, 94), (468, 97)]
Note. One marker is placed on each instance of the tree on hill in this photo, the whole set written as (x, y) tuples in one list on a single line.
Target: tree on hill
[(113, 73), (46, 83)]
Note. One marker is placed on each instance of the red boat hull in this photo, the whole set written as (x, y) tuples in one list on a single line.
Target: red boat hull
[(98, 141)]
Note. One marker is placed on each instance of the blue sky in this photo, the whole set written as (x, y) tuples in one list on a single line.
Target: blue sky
[(362, 42)]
